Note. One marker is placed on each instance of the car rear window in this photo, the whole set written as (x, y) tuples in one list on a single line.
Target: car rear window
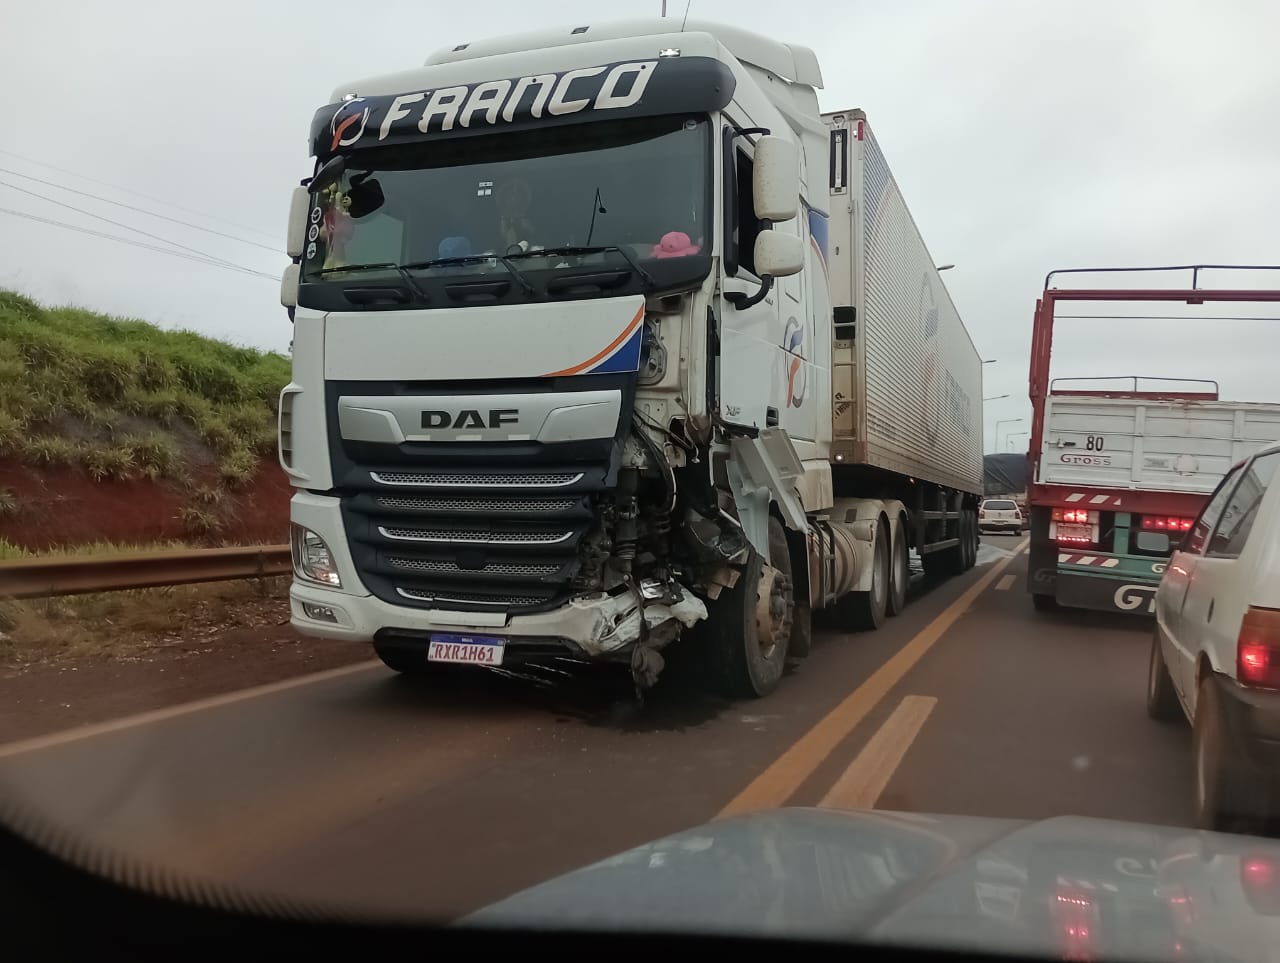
[(999, 506)]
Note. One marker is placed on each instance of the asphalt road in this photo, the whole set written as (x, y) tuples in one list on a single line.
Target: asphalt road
[(378, 793)]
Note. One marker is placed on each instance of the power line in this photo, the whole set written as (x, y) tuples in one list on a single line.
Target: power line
[(140, 210), (126, 190), (127, 227), (226, 265)]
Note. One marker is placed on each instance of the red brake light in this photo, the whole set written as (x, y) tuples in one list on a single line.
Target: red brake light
[(1259, 871), (1074, 516), (1260, 880), (1258, 648), (1166, 523)]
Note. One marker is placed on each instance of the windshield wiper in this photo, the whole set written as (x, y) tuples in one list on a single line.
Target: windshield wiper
[(572, 250), (383, 266), (471, 259)]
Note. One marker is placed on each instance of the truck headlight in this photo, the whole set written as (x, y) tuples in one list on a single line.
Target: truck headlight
[(312, 559)]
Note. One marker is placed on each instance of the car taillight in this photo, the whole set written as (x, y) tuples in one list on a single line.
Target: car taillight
[(1258, 648), (1166, 523), (981, 513)]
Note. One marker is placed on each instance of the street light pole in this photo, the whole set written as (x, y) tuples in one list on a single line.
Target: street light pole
[(1004, 421)]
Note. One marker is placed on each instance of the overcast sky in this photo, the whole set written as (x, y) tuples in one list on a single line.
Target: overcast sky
[(1024, 135)]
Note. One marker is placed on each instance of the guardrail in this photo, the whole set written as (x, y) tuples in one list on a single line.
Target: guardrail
[(41, 577)]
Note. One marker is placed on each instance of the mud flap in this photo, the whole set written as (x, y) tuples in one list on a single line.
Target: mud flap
[(1042, 555)]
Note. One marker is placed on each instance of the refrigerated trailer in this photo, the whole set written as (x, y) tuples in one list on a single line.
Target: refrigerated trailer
[(606, 337), (1120, 472)]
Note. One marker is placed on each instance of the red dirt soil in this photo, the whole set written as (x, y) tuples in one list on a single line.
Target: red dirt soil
[(62, 508)]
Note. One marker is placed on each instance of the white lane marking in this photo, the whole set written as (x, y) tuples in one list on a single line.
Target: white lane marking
[(1098, 499), (861, 784), (1075, 496), (1005, 582), (186, 708)]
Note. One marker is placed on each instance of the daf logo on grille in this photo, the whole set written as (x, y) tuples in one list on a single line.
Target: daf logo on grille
[(471, 418)]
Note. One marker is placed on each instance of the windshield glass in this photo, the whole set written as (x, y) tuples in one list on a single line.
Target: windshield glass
[(999, 506), (615, 193)]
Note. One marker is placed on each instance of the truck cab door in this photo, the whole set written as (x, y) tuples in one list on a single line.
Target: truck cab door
[(748, 342)]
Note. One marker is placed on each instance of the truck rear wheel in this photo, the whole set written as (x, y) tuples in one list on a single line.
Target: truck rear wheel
[(865, 611), (899, 572), (750, 626)]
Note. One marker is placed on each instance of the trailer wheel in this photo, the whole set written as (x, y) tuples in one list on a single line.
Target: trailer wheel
[(969, 539), (865, 611), (899, 573), (750, 626)]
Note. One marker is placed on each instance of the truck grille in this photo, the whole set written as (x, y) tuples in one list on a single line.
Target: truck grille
[(473, 598), (459, 536), (462, 504), (444, 565), (472, 538), (477, 480)]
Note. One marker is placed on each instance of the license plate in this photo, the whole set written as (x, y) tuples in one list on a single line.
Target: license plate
[(471, 649), (1075, 531)]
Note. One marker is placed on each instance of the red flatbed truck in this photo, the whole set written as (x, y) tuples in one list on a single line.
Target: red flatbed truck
[(1116, 476)]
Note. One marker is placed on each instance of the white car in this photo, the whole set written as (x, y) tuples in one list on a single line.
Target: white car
[(1000, 515), (1215, 656)]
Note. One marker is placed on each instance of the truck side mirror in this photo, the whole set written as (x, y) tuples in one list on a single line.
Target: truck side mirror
[(778, 254), (296, 237), (775, 186), (289, 286)]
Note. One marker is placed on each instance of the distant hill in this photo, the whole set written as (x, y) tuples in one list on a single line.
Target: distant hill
[(90, 399)]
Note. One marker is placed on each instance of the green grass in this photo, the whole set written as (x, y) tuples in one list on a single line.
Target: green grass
[(120, 398)]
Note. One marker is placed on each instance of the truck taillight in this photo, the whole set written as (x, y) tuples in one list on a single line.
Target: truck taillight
[(1258, 648), (1074, 516), (1166, 523)]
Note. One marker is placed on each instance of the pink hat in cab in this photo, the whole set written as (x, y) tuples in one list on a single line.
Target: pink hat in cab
[(674, 244)]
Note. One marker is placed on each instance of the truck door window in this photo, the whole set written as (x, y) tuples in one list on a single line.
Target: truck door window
[(748, 225), (1199, 534), (1241, 509)]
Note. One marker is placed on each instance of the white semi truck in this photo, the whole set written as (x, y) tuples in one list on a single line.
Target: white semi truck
[(605, 337)]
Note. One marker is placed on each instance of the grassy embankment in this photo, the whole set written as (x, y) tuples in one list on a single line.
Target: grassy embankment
[(121, 399)]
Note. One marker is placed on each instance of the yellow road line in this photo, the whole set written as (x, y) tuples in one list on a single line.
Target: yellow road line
[(773, 787), (862, 783), (1005, 582)]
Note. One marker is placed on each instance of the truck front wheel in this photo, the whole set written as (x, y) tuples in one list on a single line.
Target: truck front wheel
[(750, 624)]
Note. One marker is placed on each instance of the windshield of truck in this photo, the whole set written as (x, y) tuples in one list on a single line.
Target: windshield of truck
[(601, 208)]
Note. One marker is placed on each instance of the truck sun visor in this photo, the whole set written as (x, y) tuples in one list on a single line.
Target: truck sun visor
[(639, 88)]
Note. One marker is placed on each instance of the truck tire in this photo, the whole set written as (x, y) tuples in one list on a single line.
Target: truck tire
[(865, 611), (970, 539), (1228, 797), (1162, 700), (899, 572), (747, 666)]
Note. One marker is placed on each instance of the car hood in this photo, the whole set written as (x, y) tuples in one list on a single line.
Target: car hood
[(1066, 887)]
